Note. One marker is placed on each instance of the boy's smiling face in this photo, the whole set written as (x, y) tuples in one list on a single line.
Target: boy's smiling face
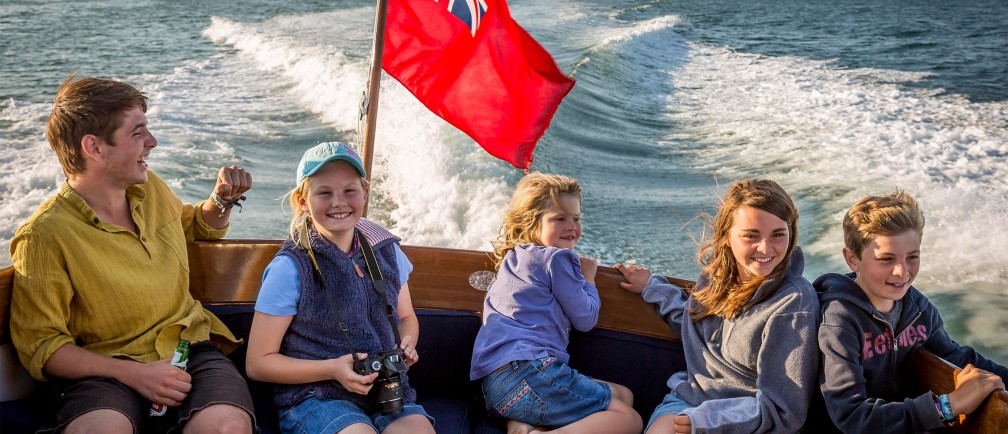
[(886, 267)]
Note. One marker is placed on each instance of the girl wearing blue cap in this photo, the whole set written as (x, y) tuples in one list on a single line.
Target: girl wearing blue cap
[(334, 323)]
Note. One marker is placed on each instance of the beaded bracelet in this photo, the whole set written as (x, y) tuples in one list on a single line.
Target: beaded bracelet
[(223, 204)]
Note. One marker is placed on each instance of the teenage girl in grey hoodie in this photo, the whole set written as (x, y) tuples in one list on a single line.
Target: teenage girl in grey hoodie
[(748, 328)]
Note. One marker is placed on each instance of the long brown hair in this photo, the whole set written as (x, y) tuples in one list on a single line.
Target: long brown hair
[(533, 196), (726, 294)]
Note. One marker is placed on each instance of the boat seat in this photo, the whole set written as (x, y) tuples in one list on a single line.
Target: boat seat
[(630, 345), (442, 375)]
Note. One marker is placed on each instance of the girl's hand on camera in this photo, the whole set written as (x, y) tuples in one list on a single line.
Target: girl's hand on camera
[(409, 350), (352, 381)]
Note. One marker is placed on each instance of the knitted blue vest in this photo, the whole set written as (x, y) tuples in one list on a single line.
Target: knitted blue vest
[(314, 333)]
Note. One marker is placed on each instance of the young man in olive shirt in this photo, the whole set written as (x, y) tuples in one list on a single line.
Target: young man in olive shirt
[(100, 296)]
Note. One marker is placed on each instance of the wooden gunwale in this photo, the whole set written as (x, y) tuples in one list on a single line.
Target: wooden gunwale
[(228, 272)]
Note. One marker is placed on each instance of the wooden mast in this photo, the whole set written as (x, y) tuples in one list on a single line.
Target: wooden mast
[(369, 102)]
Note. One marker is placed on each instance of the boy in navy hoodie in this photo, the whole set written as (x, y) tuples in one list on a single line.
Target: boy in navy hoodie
[(873, 320)]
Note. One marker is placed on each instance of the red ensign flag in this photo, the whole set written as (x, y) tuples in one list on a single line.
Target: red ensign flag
[(473, 66)]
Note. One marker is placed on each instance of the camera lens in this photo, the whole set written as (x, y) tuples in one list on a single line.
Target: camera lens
[(389, 397)]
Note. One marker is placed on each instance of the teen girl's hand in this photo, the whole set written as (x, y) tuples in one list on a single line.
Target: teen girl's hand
[(974, 384), (589, 267), (409, 350), (683, 425), (636, 276), (352, 381)]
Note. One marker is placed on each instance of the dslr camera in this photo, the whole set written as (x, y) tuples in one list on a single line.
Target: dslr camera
[(386, 393)]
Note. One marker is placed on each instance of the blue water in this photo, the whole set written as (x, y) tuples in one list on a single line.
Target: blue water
[(674, 101)]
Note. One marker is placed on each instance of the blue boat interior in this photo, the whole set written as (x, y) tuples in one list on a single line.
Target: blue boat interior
[(441, 377)]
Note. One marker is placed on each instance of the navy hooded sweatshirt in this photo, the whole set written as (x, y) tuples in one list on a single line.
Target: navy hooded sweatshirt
[(865, 359)]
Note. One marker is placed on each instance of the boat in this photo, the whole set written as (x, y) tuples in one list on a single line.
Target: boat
[(631, 345)]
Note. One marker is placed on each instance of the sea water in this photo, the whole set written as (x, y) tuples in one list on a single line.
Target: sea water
[(674, 101)]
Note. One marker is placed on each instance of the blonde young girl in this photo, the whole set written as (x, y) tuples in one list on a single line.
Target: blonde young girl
[(295, 341), (542, 290), (748, 328)]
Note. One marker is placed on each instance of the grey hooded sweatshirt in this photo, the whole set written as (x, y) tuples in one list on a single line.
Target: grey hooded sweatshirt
[(865, 358), (755, 374)]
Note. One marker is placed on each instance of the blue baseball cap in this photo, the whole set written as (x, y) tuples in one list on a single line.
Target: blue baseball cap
[(322, 153)]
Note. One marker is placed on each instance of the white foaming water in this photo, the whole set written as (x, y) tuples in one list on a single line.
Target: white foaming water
[(323, 79), (432, 185), (622, 32), (643, 27), (30, 172), (831, 136), (201, 113)]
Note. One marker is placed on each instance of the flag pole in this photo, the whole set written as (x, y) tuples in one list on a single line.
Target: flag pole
[(369, 102)]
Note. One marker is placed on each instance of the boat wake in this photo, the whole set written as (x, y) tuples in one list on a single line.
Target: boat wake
[(433, 185), (832, 135)]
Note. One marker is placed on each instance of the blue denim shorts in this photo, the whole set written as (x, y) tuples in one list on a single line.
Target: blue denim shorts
[(326, 416), (543, 392), (670, 405)]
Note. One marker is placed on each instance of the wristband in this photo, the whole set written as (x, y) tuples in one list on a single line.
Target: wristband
[(946, 409), (223, 204)]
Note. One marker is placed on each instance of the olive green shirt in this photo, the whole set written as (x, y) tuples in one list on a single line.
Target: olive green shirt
[(79, 280)]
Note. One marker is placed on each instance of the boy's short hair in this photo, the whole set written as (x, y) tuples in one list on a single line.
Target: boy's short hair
[(881, 215), (88, 106)]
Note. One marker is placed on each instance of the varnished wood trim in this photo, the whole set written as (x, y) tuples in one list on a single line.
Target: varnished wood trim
[(440, 280), (937, 375), (229, 272)]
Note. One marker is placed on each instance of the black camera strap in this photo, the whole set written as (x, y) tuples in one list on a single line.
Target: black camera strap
[(379, 286)]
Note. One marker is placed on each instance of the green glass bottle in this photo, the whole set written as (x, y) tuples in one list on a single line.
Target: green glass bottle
[(179, 360)]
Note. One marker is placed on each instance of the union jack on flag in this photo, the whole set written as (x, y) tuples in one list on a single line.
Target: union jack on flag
[(469, 11), (499, 86)]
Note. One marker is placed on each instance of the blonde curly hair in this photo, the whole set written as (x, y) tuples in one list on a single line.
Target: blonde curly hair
[(535, 194)]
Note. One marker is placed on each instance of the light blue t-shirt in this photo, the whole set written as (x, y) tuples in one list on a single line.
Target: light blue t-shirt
[(281, 283)]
